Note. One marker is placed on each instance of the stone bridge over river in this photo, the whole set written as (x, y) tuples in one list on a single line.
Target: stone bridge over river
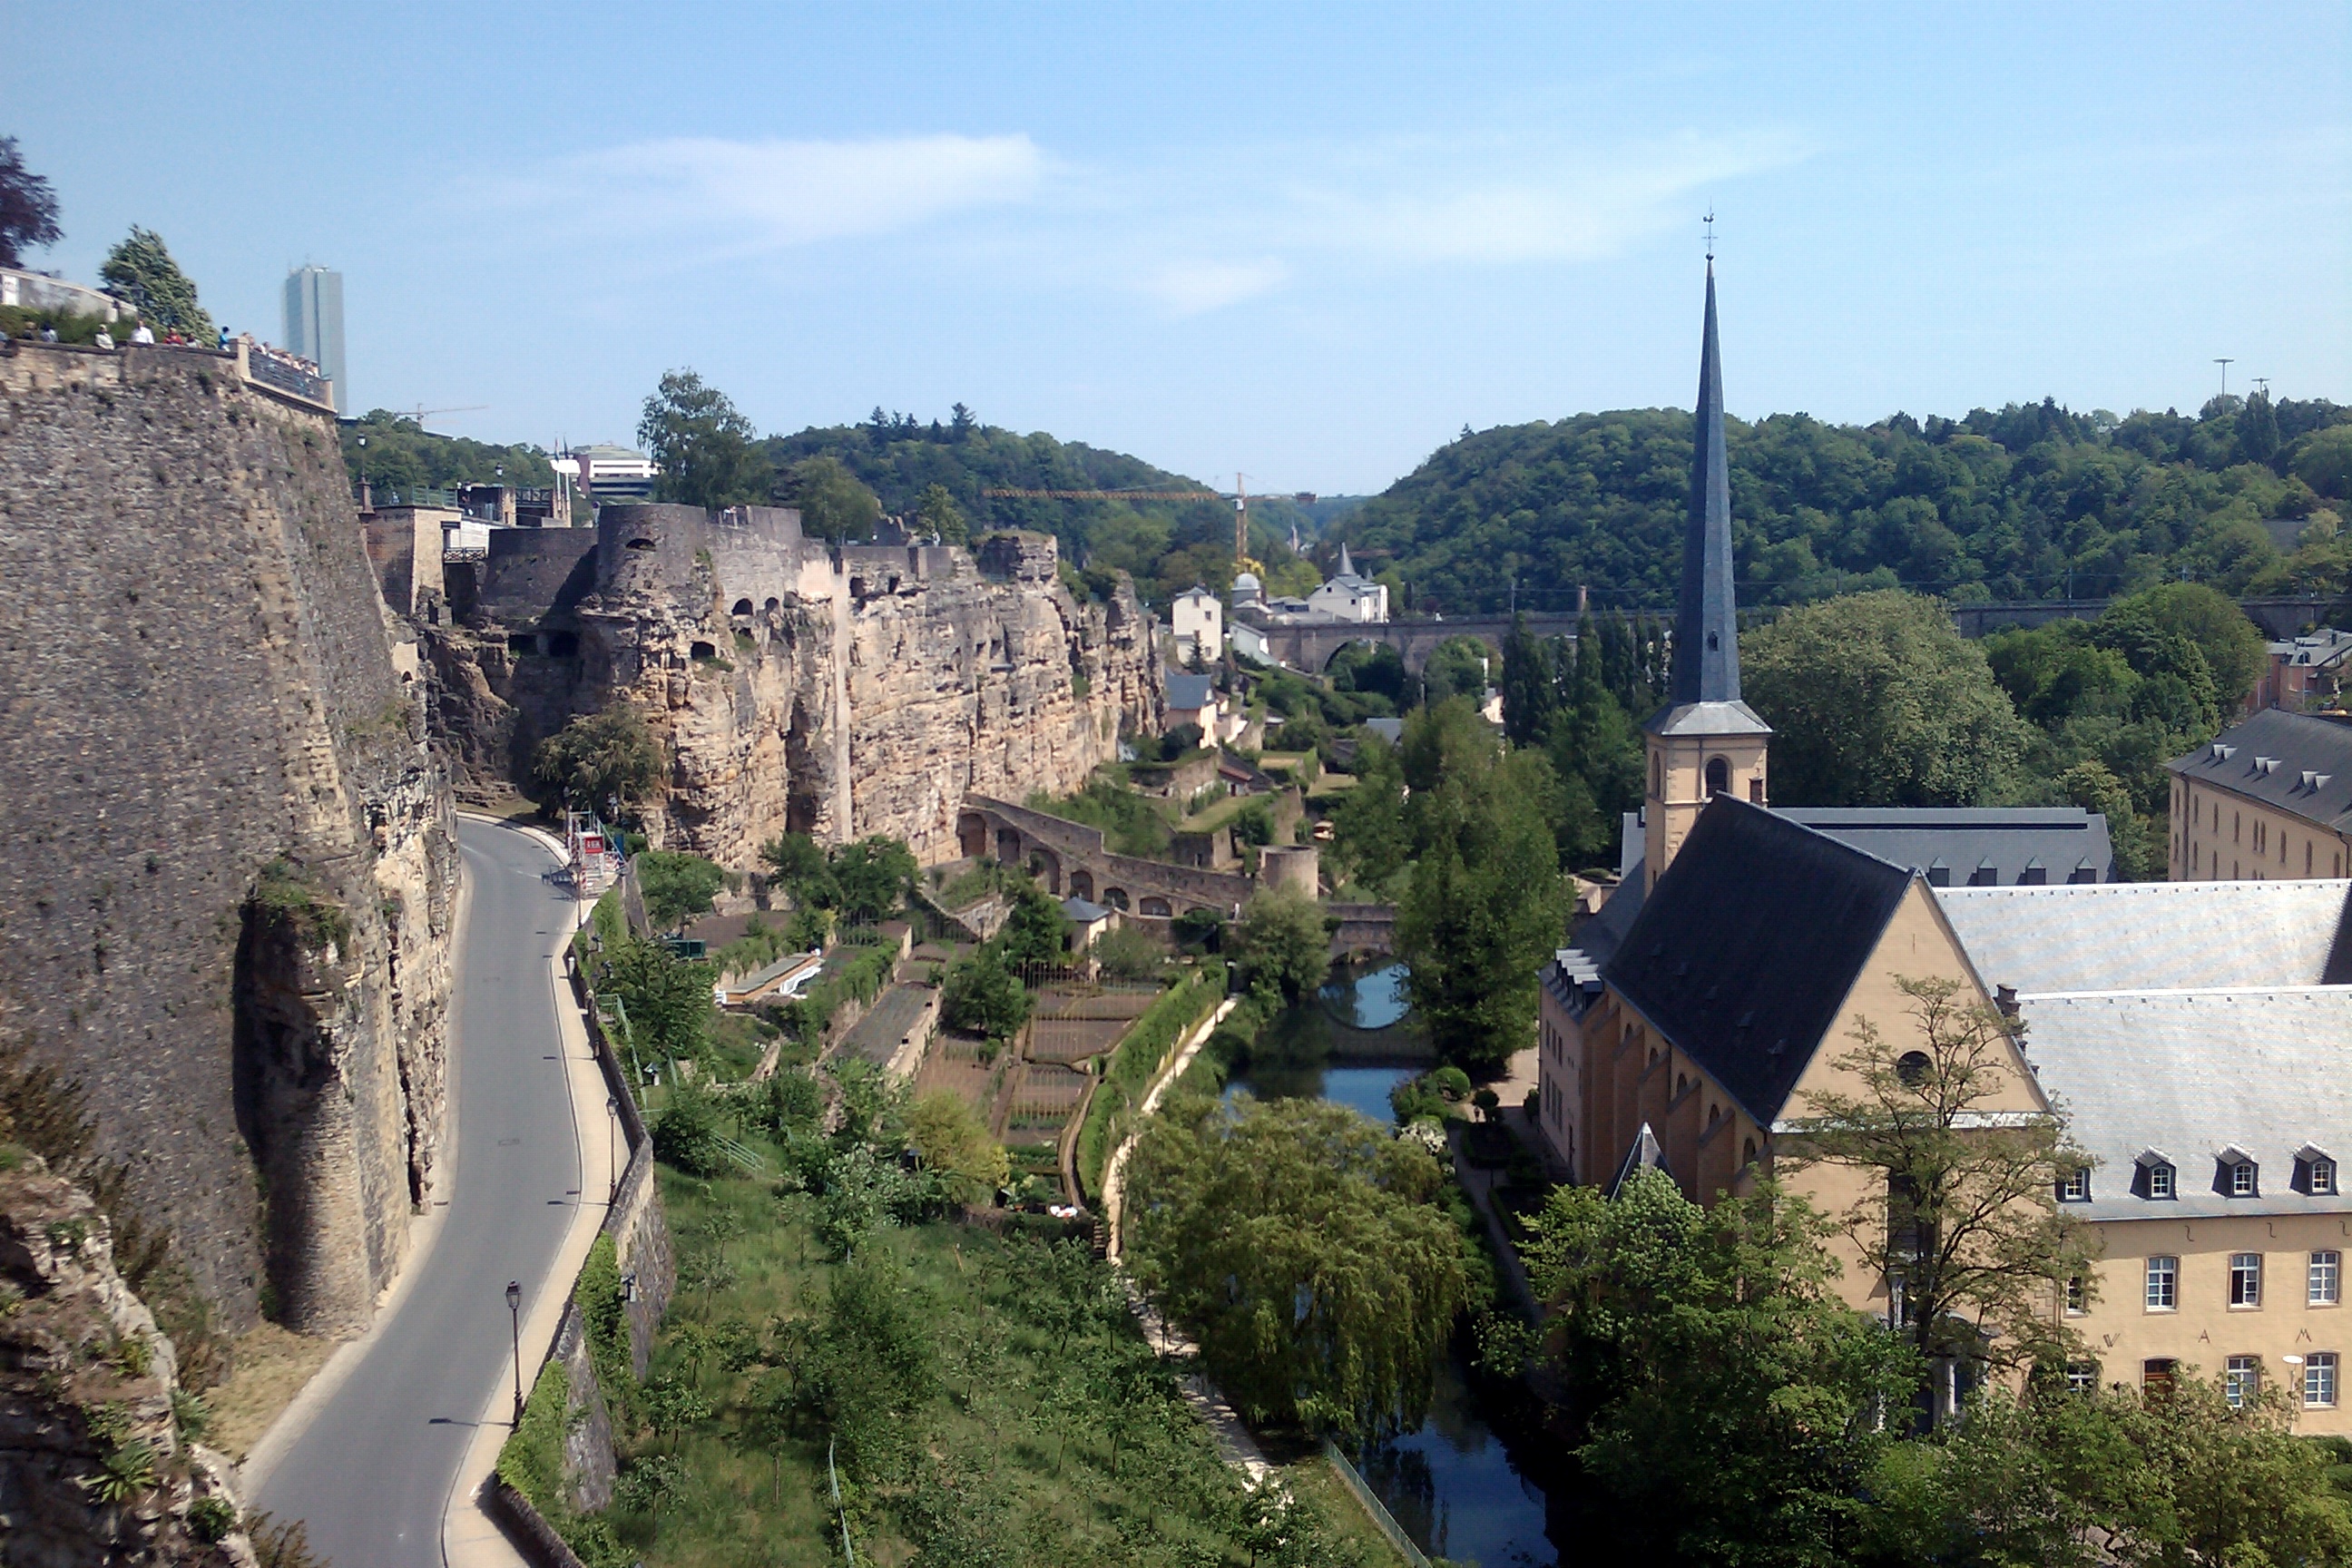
[(1311, 645), (1069, 860)]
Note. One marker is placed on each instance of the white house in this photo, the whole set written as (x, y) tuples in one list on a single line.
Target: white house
[(1198, 619), (1349, 597)]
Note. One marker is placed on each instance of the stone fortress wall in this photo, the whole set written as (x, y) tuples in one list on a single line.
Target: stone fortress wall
[(228, 864), (839, 691)]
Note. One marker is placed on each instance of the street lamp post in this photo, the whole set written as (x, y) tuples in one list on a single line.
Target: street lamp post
[(514, 1314), (611, 1148)]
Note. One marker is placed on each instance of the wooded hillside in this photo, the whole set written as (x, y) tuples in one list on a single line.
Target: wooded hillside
[(2032, 501)]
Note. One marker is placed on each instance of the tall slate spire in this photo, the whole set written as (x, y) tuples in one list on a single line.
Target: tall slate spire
[(1707, 628)]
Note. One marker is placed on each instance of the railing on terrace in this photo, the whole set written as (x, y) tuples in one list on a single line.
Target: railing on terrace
[(288, 375)]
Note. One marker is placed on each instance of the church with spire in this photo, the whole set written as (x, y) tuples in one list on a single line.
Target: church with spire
[(1707, 1008), (1705, 742)]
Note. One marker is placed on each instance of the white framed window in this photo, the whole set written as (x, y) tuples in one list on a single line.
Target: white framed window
[(2081, 1377), (2322, 1176), (2077, 1187), (2159, 1181), (2077, 1301), (2241, 1378), (2243, 1184), (2245, 1279), (2163, 1284), (2325, 1279), (2319, 1381)]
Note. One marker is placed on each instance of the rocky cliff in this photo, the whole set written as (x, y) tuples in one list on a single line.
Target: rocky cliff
[(97, 1461), (840, 694), (228, 866)]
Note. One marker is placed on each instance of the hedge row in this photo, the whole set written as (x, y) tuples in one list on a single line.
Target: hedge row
[(1127, 1070)]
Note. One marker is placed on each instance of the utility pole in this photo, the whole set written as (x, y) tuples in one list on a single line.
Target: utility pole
[(2225, 364)]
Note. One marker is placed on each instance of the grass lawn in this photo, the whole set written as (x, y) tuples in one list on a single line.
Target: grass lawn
[(998, 1408)]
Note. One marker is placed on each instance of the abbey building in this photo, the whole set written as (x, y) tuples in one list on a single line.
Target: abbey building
[(2195, 1034)]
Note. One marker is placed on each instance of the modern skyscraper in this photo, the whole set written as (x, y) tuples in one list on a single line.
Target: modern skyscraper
[(314, 324)]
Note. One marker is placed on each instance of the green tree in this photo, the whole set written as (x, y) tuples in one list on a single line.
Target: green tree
[(1036, 931), (675, 886), (140, 272), (1299, 1241), (668, 997), (600, 761), (1730, 1402), (703, 446), (1959, 1207), (1368, 835), (873, 875), (833, 504), (2232, 646), (28, 208), (1484, 908), (1597, 752), (954, 1144), (1874, 699), (1530, 685), (936, 510), (872, 1365), (1281, 943), (807, 872), (983, 997)]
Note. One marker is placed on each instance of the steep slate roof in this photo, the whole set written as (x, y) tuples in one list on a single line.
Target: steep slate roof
[(1749, 943), (2154, 936), (2308, 771), (1961, 846), (2191, 1073), (1188, 692), (1706, 623)]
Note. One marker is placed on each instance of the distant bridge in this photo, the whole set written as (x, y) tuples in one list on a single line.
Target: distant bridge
[(1311, 645)]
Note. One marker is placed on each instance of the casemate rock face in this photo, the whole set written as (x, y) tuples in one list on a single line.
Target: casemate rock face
[(839, 692), (227, 863)]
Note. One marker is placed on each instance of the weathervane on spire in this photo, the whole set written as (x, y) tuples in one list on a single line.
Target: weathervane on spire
[(1710, 220)]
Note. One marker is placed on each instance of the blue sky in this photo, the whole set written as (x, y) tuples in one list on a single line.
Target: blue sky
[(1309, 243)]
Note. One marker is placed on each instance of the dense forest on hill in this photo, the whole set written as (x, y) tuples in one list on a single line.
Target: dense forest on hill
[(401, 455), (2029, 502), (1168, 546)]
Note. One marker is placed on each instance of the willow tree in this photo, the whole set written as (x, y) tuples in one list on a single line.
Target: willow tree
[(1300, 1244)]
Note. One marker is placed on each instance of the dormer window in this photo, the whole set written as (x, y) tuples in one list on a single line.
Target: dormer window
[(2238, 1175), (2159, 1181), (2075, 1187), (2314, 1172), (2155, 1177)]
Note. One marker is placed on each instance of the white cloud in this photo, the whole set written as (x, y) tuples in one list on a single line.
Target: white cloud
[(1193, 286), (1513, 202), (768, 195)]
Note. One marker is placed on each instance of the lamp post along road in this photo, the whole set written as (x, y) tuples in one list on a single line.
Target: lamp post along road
[(514, 1314)]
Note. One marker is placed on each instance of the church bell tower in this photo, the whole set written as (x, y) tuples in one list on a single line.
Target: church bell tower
[(1705, 742)]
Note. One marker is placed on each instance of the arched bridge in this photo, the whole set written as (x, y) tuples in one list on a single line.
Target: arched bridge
[(1312, 645)]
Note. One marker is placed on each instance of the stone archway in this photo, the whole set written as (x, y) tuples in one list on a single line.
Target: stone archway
[(1156, 908), (1116, 898), (972, 835), (1008, 846), (1082, 885), (1047, 867)]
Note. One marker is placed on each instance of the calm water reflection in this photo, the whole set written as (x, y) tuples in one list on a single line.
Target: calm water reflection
[(1453, 1484)]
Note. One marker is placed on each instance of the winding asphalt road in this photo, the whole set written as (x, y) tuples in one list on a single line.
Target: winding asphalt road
[(371, 1472)]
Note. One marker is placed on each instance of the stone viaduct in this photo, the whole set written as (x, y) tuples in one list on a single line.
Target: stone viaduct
[(1312, 646)]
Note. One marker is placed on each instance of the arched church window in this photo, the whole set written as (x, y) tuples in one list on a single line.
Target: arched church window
[(1719, 777)]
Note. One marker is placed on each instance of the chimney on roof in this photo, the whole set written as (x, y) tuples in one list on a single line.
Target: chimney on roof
[(2005, 999)]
